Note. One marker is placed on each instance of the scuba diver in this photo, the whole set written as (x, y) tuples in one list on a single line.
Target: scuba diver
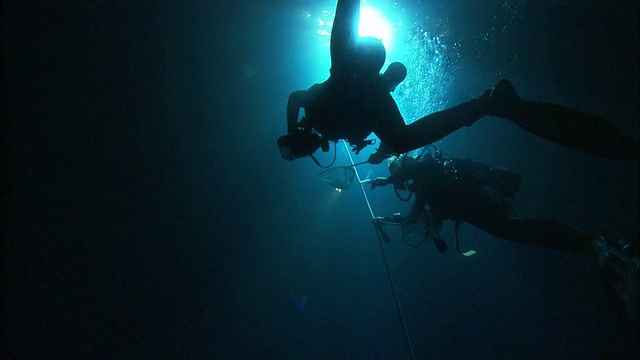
[(463, 190), (339, 107), (355, 101)]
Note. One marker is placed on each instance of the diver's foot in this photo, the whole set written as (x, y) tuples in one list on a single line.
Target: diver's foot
[(501, 100), (619, 266)]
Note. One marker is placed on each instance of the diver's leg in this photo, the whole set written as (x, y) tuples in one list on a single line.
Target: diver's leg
[(556, 123), (344, 31), (539, 232), (576, 129), (562, 125), (436, 126), (493, 216), (505, 181), (618, 268)]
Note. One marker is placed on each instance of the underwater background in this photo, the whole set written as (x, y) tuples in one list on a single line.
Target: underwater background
[(147, 213)]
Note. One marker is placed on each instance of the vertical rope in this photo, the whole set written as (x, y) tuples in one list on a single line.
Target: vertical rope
[(386, 262), (366, 198)]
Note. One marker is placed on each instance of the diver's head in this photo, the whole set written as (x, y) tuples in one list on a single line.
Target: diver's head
[(396, 73), (394, 164), (370, 55)]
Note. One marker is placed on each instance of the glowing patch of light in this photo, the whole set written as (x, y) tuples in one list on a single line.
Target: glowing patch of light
[(431, 63), (373, 23)]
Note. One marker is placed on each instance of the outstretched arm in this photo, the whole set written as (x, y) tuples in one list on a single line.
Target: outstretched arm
[(382, 181), (344, 31), (381, 153), (379, 181)]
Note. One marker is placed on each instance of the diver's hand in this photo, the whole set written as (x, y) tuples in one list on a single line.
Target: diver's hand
[(377, 157), (379, 182)]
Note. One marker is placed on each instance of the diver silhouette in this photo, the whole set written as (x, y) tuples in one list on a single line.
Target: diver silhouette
[(463, 190), (355, 101)]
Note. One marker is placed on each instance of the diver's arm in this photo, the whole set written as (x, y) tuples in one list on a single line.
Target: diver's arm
[(382, 181), (297, 100), (344, 31), (346, 21), (381, 153)]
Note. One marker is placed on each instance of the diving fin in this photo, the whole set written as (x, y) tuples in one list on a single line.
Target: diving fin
[(466, 253)]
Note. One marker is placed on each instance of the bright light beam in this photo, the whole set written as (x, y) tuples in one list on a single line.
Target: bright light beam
[(373, 23)]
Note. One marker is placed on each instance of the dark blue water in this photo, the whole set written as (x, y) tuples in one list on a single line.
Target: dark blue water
[(146, 212)]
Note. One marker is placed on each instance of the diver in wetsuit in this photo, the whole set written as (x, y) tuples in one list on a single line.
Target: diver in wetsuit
[(463, 190), (355, 101), (341, 107)]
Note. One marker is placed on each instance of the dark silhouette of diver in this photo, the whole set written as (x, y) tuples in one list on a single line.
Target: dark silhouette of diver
[(355, 101), (463, 190)]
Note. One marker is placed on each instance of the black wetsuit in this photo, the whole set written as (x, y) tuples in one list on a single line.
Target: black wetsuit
[(351, 105), (465, 190)]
